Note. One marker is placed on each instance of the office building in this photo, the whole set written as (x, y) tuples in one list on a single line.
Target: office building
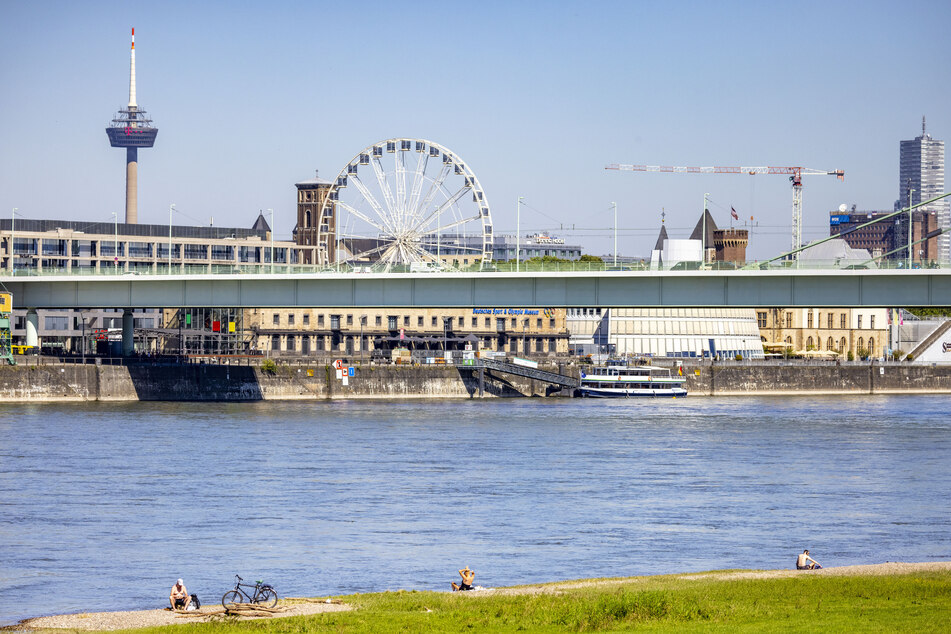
[(888, 238), (921, 177)]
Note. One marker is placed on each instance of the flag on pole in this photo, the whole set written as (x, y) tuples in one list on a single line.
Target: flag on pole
[(734, 214)]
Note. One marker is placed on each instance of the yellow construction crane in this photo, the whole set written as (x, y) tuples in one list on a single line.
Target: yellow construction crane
[(795, 176)]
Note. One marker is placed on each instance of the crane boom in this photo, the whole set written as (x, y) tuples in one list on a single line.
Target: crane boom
[(795, 176)]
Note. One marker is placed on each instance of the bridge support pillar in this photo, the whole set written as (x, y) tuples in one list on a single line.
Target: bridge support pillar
[(32, 328), (128, 333), (481, 381)]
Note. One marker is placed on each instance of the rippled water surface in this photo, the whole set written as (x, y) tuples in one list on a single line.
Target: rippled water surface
[(103, 506)]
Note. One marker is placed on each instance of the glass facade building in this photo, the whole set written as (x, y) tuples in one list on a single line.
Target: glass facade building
[(921, 177)]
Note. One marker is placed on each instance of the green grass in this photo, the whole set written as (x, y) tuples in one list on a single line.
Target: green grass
[(918, 602)]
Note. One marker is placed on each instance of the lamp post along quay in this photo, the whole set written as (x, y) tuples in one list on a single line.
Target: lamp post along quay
[(910, 203), (615, 234), (115, 246), (171, 208), (271, 211), (13, 240), (518, 224)]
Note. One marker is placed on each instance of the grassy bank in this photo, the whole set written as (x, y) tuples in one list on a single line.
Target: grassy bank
[(911, 602)]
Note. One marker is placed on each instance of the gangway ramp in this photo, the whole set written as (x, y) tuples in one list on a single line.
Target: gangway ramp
[(520, 370), (936, 334)]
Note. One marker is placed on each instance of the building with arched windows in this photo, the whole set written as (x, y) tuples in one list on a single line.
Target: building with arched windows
[(861, 331)]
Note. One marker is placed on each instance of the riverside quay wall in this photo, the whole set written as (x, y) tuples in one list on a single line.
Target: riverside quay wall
[(208, 382)]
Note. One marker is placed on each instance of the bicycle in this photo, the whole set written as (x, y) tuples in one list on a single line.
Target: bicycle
[(263, 594)]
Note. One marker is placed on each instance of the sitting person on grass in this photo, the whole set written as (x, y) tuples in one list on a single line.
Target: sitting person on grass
[(178, 597), (467, 577)]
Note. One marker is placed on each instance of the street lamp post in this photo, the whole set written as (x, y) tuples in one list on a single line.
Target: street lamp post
[(13, 240), (615, 235), (363, 344), (703, 236), (518, 224), (272, 239), (115, 247), (82, 315), (171, 208), (910, 192), (445, 337)]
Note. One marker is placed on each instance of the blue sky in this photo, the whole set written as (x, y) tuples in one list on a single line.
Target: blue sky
[(537, 98)]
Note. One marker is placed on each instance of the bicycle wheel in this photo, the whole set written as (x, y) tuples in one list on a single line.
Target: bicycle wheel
[(267, 597), (231, 599)]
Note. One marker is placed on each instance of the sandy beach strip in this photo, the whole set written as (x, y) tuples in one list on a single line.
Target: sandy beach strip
[(104, 621)]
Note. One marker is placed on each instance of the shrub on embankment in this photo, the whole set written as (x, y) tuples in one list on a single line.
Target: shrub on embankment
[(912, 602)]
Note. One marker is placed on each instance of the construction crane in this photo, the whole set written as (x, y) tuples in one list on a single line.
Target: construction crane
[(795, 176)]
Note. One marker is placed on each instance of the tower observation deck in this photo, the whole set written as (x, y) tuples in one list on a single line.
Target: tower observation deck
[(131, 128)]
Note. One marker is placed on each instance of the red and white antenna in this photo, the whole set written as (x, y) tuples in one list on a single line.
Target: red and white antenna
[(132, 103)]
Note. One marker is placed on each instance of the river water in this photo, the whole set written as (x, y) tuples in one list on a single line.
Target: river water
[(103, 506)]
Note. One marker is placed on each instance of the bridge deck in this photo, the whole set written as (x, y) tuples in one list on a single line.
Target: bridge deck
[(682, 289)]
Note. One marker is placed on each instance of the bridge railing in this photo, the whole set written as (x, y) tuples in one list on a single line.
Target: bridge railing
[(496, 267)]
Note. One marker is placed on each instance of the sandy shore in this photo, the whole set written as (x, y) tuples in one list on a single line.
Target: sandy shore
[(102, 621)]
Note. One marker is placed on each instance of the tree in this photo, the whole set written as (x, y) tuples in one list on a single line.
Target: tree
[(590, 258)]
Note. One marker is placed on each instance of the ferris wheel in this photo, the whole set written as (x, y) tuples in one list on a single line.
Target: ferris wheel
[(406, 203)]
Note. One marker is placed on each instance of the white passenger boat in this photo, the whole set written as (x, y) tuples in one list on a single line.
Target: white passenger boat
[(620, 381)]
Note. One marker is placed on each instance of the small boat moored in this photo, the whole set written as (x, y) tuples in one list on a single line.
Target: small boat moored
[(619, 380)]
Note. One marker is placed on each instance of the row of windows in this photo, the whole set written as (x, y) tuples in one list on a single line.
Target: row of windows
[(395, 322), (309, 343), (28, 246), (787, 320), (62, 322), (584, 312), (683, 327), (687, 347), (841, 347)]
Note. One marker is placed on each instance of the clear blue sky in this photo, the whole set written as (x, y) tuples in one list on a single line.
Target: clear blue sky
[(536, 97)]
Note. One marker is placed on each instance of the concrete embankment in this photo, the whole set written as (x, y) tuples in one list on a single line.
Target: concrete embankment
[(158, 382)]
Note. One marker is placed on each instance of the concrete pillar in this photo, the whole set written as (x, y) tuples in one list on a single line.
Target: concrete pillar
[(128, 333), (131, 185), (32, 327)]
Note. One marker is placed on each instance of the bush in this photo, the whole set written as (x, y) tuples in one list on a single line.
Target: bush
[(897, 354), (738, 357), (851, 356), (268, 366)]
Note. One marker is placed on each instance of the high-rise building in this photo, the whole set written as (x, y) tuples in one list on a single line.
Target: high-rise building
[(921, 177)]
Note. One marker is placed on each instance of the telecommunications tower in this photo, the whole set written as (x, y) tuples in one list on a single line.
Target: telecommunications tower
[(131, 129)]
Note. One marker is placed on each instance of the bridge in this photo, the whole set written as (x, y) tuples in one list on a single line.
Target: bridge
[(775, 287)]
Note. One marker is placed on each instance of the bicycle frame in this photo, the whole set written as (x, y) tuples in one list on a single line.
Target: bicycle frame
[(259, 586)]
